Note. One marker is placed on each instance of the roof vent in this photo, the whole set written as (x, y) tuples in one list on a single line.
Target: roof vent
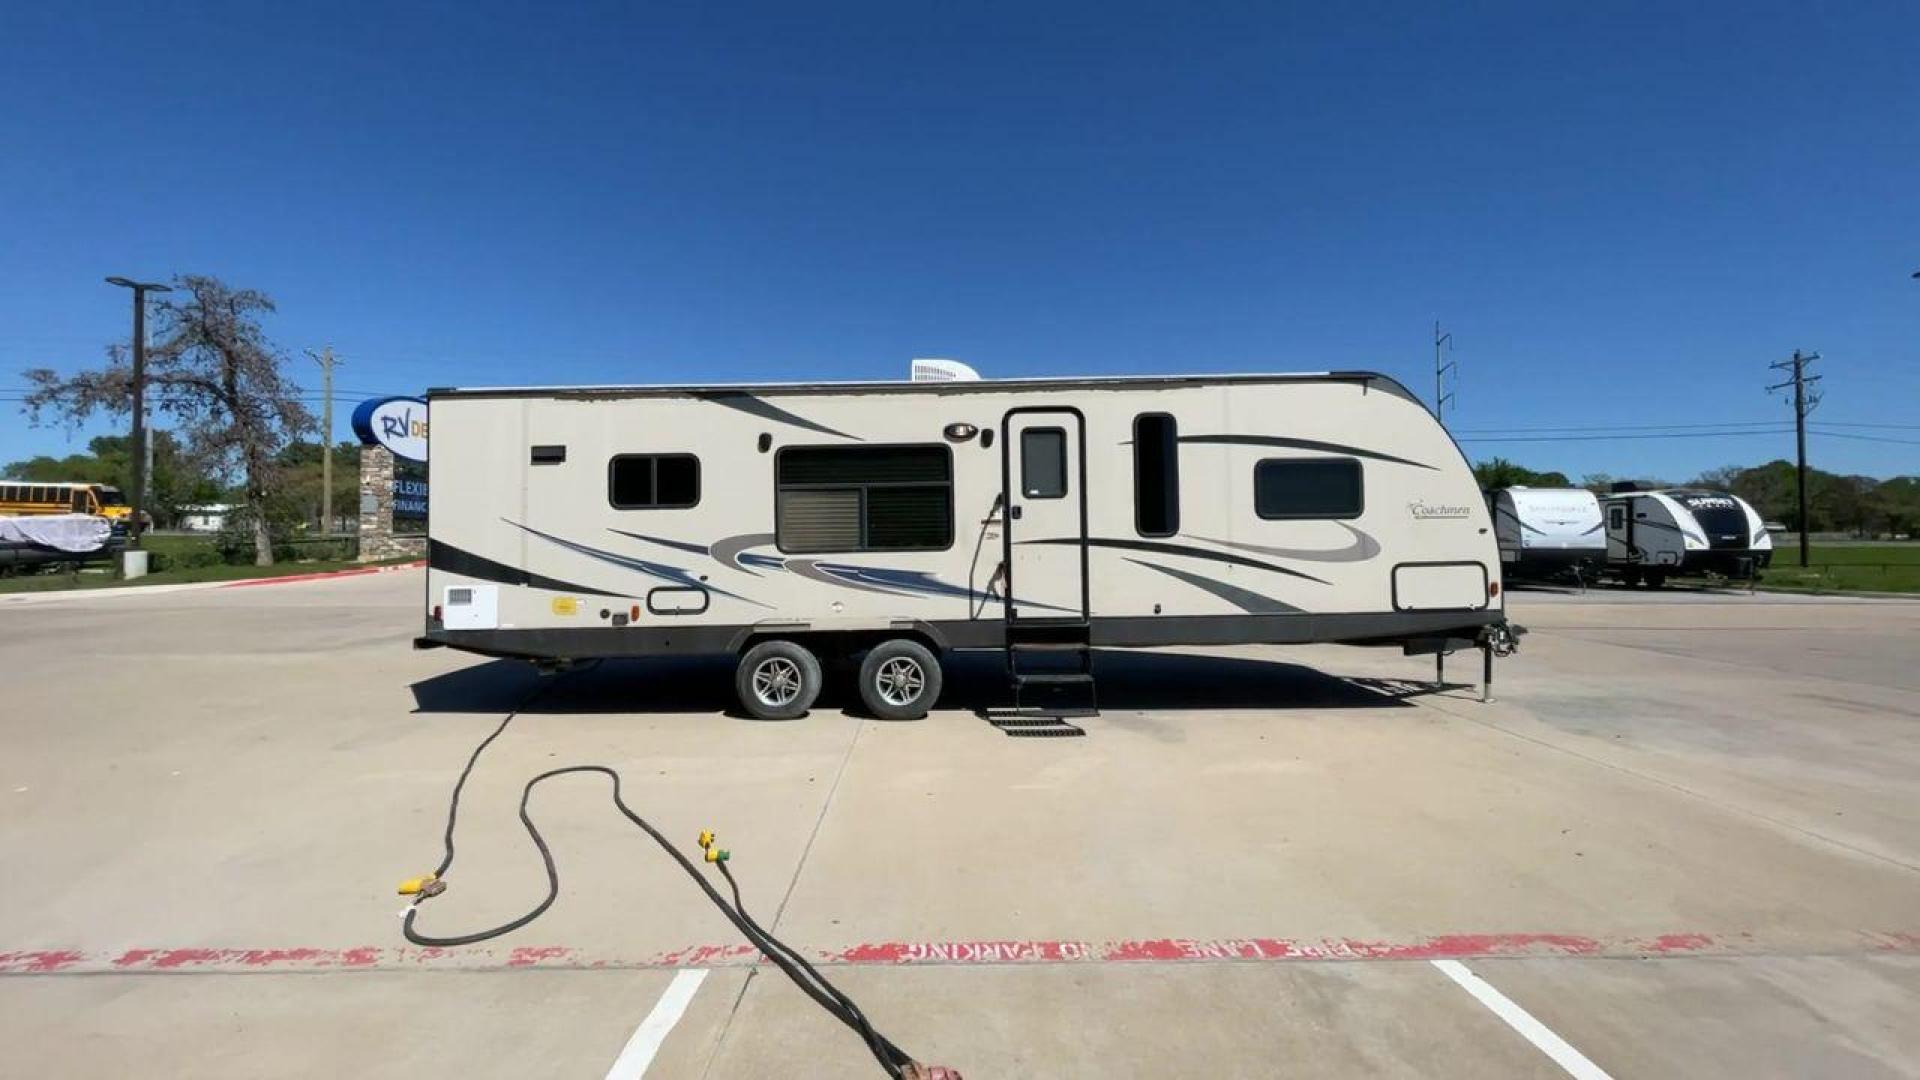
[(932, 370)]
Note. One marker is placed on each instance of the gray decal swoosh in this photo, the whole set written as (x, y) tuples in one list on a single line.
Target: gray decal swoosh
[(1364, 547), (1301, 444), (732, 551), (681, 545), (660, 570), (1515, 518), (1701, 540), (810, 569), (1244, 599), (753, 406), (1162, 548), (1598, 525), (917, 581)]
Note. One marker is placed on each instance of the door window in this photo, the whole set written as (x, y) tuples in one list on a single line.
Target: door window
[(1043, 463)]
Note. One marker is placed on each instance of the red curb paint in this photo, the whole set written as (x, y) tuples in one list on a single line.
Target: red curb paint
[(943, 953), (324, 575), (41, 962)]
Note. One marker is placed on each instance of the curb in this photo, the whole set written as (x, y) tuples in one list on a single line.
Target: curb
[(954, 953), (50, 595), (325, 575)]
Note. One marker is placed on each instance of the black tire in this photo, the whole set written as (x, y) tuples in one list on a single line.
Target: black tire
[(777, 680), (1631, 577), (1656, 579), (899, 680)]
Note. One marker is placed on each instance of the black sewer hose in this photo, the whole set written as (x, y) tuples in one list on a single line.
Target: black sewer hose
[(895, 1062)]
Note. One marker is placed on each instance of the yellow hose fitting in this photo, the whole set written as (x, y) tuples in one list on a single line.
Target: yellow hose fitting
[(718, 855), (414, 886), (707, 838)]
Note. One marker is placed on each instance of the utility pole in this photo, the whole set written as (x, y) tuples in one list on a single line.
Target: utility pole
[(138, 451), (326, 360), (1440, 396), (1803, 403)]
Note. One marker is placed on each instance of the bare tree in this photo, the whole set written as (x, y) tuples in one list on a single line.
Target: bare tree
[(215, 373)]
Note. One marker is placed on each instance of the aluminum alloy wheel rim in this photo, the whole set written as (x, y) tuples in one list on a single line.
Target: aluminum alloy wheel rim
[(776, 682), (900, 681)]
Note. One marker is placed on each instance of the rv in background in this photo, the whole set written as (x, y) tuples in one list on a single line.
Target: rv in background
[(1657, 534), (1548, 533), (790, 524)]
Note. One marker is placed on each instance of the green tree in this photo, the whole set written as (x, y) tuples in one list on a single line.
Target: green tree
[(298, 499), (219, 378), (1500, 473), (177, 480)]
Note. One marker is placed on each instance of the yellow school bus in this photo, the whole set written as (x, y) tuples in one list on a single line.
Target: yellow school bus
[(21, 497)]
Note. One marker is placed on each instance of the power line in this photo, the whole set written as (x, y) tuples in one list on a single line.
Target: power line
[(1613, 438), (1630, 427), (1864, 438)]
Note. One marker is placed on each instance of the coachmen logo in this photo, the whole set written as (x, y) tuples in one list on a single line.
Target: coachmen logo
[(397, 423), (1423, 511)]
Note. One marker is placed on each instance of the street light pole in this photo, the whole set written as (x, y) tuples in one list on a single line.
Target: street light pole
[(138, 451)]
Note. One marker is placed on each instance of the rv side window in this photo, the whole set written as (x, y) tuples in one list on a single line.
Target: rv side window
[(1617, 517), (1043, 463), (1307, 488), (1156, 475), (863, 498), (653, 481)]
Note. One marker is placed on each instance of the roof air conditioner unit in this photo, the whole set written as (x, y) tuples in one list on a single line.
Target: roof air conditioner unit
[(931, 370)]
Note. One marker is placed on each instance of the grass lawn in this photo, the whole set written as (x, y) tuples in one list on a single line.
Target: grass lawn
[(1889, 567), (173, 548)]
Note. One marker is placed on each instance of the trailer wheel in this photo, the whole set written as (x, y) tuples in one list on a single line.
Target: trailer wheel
[(1631, 578), (777, 680), (1656, 579), (899, 680)]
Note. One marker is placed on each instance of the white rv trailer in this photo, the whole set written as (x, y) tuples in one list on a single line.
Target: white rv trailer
[(895, 520), (1656, 534), (1548, 532)]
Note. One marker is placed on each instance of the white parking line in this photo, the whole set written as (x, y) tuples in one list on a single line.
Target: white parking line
[(1522, 1021), (638, 1053)]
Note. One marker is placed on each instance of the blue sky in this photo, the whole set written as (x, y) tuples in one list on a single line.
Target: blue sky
[(1623, 213)]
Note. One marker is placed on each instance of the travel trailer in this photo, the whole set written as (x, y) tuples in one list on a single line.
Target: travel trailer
[(1656, 534), (892, 521), (1546, 533)]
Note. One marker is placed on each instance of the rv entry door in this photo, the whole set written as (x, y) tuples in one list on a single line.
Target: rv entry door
[(1044, 480)]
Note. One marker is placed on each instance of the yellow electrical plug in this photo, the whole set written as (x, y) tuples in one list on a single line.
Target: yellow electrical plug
[(414, 886), (707, 838), (718, 855)]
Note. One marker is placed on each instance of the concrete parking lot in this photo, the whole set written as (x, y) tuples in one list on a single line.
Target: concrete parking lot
[(1683, 841)]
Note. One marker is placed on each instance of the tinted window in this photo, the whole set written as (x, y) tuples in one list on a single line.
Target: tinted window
[(1617, 517), (1719, 516), (1043, 463), (1307, 488), (1156, 475), (864, 498), (653, 481)]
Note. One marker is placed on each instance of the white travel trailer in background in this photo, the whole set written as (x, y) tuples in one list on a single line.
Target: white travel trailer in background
[(786, 523), (1656, 534), (1548, 532)]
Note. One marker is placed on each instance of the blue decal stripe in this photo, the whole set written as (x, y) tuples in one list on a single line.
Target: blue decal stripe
[(659, 570)]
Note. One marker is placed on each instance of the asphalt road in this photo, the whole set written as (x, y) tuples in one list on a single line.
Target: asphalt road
[(1684, 841)]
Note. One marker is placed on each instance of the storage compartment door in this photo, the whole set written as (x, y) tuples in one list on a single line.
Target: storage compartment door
[(1454, 586)]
